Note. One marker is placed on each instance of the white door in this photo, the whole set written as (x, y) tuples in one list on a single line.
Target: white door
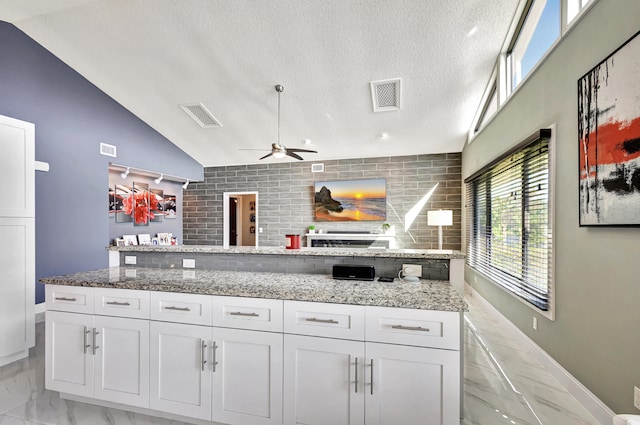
[(247, 377), (17, 227), (68, 353), (323, 381), (180, 380), (121, 360), (412, 385)]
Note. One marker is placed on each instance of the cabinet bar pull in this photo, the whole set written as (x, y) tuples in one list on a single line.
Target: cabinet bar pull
[(356, 375), (239, 313), (118, 303), (410, 328), (85, 345), (313, 319), (95, 347), (65, 299), (171, 307), (214, 362), (203, 345), (371, 376)]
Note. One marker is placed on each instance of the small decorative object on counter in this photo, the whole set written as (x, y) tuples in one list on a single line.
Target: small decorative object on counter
[(312, 229), (293, 241)]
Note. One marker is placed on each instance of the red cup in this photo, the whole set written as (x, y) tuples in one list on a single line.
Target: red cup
[(293, 241)]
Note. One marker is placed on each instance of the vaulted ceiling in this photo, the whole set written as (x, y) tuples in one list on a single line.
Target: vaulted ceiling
[(154, 55)]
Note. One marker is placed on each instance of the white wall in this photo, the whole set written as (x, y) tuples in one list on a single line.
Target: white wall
[(595, 335)]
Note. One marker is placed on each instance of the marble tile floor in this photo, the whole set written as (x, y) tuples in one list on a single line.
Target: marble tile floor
[(504, 384)]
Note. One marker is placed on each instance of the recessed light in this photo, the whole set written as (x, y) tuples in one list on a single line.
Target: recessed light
[(383, 136), (307, 142)]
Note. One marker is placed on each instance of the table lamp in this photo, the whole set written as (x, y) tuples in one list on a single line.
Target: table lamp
[(440, 218)]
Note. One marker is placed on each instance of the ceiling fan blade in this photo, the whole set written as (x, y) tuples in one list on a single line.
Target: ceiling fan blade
[(293, 155), (266, 156), (300, 150)]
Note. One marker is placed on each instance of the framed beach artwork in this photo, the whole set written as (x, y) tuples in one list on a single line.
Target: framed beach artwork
[(609, 139), (351, 200)]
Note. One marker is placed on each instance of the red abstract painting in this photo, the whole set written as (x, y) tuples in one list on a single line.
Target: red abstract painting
[(609, 139)]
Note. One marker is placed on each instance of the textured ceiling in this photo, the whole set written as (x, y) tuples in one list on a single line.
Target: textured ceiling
[(153, 55)]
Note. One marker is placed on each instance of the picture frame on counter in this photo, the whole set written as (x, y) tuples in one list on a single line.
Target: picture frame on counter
[(144, 239), (164, 238), (119, 242), (130, 240)]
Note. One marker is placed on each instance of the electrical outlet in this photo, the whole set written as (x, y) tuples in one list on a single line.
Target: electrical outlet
[(130, 259), (535, 323), (636, 397), (188, 263), (412, 270)]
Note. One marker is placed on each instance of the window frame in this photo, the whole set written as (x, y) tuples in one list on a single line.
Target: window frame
[(472, 216)]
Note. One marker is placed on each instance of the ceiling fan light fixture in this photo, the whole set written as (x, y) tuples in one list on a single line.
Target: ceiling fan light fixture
[(279, 154)]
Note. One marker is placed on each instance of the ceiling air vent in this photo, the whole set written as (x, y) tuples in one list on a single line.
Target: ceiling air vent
[(386, 95), (201, 115), (108, 150), (317, 168)]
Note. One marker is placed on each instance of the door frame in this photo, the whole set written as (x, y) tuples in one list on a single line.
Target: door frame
[(225, 215)]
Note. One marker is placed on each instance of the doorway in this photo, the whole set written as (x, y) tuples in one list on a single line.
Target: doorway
[(240, 219)]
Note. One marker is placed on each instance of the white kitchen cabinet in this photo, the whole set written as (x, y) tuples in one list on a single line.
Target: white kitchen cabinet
[(180, 378), (323, 381), (411, 385), (17, 227), (68, 355), (247, 377), (101, 357)]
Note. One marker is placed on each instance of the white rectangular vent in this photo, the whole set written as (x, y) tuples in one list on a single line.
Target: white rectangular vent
[(386, 95), (108, 150), (317, 168), (201, 115)]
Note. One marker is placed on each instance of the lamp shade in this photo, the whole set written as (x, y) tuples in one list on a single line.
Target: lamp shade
[(440, 218)]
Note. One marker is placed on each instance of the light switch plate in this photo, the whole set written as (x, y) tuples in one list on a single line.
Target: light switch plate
[(636, 397), (130, 259), (188, 263), (412, 270)]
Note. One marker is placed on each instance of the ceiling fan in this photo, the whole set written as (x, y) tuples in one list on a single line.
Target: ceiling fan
[(278, 150)]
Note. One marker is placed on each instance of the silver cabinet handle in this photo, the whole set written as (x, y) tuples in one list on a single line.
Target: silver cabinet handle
[(171, 307), (313, 319), (118, 303), (85, 345), (371, 376), (214, 362), (95, 347), (65, 299), (239, 313), (356, 375), (203, 345), (410, 328)]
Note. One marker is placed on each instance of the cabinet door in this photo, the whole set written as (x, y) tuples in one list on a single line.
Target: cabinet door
[(17, 167), (323, 381), (121, 360), (180, 381), (247, 377), (412, 385), (68, 358)]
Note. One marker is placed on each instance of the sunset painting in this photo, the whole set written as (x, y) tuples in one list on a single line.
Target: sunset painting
[(353, 200)]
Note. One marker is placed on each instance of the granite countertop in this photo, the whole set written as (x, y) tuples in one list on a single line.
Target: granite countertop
[(329, 252), (427, 295)]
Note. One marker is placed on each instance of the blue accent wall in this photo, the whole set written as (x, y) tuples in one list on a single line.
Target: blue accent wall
[(72, 117)]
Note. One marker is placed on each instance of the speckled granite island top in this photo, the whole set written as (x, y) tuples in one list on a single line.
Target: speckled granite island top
[(427, 295), (331, 252)]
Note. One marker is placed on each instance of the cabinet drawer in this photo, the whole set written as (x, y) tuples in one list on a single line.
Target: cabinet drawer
[(328, 320), (76, 299), (122, 303), (181, 308), (422, 328), (248, 313)]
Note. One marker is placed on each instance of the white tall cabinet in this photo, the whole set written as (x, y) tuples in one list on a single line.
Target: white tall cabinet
[(17, 227)]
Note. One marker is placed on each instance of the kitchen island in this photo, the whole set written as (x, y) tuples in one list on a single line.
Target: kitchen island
[(229, 347)]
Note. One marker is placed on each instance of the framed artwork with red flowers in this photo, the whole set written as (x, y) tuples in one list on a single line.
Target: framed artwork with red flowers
[(156, 204), (116, 203)]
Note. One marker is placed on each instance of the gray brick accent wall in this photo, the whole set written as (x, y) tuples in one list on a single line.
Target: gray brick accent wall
[(286, 197)]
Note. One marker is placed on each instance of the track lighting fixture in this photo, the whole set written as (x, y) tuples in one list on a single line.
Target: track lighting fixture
[(186, 184), (125, 173), (159, 179)]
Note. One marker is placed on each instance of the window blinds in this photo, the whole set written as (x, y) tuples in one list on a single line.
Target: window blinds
[(509, 236)]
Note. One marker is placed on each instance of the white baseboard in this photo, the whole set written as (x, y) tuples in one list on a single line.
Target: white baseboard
[(39, 312), (593, 404)]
